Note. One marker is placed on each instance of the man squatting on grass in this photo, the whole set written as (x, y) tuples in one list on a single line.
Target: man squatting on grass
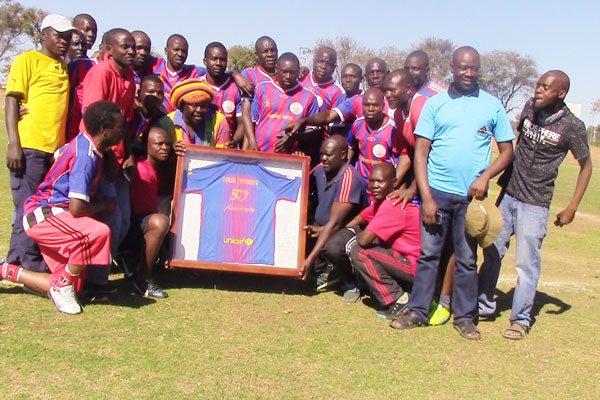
[(59, 217)]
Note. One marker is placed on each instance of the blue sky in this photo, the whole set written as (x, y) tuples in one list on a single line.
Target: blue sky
[(556, 34)]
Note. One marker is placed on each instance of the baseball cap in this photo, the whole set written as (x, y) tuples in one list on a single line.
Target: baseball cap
[(57, 22)]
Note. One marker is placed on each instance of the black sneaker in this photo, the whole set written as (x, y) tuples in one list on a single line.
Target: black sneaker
[(150, 289), (395, 309)]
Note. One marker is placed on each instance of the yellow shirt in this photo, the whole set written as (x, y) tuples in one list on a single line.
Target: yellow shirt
[(44, 84)]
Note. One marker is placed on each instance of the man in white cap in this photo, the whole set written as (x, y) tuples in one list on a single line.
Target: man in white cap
[(38, 81)]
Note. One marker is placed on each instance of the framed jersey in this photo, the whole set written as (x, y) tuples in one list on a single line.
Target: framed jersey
[(241, 211)]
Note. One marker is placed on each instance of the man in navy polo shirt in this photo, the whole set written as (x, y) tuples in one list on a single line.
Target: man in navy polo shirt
[(341, 195)]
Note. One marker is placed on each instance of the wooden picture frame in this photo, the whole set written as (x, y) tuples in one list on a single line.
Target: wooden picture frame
[(231, 207)]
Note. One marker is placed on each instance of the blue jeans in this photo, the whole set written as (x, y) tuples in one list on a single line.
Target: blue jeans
[(529, 225), (464, 292)]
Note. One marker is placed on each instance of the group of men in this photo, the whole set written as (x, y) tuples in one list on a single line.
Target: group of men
[(395, 168)]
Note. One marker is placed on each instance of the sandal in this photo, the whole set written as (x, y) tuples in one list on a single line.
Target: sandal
[(467, 329), (516, 331), (407, 321)]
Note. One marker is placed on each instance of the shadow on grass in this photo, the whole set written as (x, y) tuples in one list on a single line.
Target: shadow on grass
[(504, 303), (179, 278)]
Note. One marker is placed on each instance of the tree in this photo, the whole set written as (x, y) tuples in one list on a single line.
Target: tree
[(596, 106), (348, 51), (440, 55), (240, 57), (508, 76), (17, 24)]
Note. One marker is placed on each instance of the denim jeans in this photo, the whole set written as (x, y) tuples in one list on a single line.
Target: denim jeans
[(464, 292), (529, 225)]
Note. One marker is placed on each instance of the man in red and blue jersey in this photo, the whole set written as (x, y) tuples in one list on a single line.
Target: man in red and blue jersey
[(280, 102), (266, 54), (373, 135), (417, 63), (320, 81), (174, 70), (61, 216), (226, 95)]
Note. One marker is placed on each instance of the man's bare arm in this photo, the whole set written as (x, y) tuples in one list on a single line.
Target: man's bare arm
[(14, 152), (567, 215)]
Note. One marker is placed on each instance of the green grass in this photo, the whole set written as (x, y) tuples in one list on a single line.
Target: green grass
[(227, 336)]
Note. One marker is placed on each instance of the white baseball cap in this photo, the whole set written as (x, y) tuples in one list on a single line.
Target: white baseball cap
[(57, 22)]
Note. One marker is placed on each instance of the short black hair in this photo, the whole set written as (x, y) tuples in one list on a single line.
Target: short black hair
[(99, 115), (214, 44)]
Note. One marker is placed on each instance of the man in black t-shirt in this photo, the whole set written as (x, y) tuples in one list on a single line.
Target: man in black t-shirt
[(548, 130)]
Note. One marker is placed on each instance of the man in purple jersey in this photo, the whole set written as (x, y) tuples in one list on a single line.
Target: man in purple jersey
[(226, 95), (279, 102), (61, 216), (266, 52), (417, 63)]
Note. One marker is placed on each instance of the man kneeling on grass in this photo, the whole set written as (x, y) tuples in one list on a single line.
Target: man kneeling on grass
[(59, 217), (385, 250)]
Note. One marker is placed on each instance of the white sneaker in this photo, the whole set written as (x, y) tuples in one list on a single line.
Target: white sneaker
[(64, 299)]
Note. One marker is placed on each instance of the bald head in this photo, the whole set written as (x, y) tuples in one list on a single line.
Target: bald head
[(400, 75), (324, 63), (336, 142), (465, 69), (417, 63), (143, 47), (399, 88), (387, 170), (266, 53), (562, 79), (464, 51), (374, 93), (176, 51), (375, 70), (381, 180), (550, 91)]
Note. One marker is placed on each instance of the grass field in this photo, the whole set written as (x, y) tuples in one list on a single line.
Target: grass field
[(227, 336)]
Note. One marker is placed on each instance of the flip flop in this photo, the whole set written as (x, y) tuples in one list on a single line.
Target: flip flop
[(467, 329), (516, 331)]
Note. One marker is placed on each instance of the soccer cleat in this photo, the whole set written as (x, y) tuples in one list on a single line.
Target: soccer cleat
[(395, 309), (150, 289), (64, 299)]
